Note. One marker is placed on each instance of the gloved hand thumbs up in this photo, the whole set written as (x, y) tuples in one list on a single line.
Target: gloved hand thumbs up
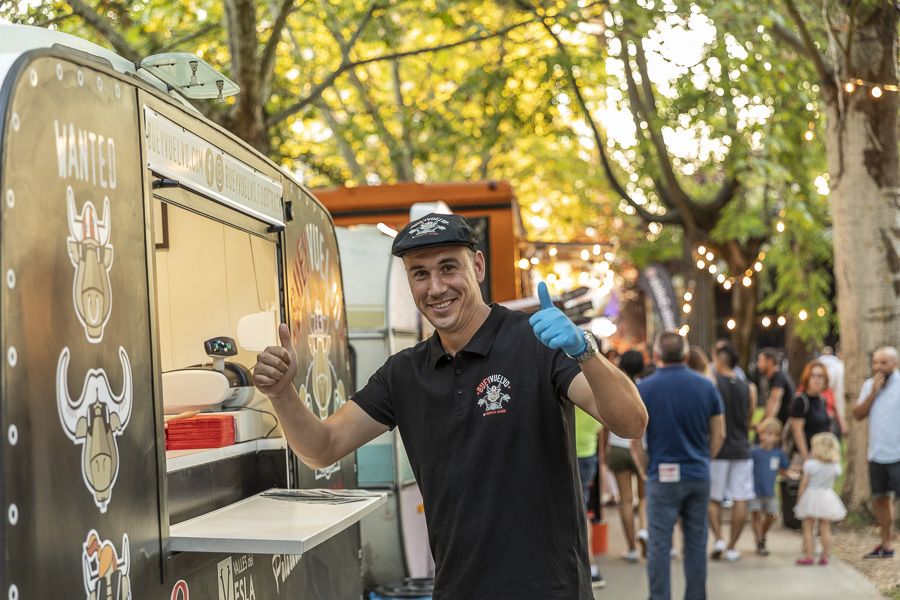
[(553, 328)]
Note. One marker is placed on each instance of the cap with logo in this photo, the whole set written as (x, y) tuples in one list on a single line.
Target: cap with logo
[(434, 230)]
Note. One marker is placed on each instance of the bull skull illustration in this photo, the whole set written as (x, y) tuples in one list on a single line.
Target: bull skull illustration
[(105, 574), (92, 256), (94, 421)]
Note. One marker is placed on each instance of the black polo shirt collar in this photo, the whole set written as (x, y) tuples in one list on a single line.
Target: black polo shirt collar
[(480, 343)]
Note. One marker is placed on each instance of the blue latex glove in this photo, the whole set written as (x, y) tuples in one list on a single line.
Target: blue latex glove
[(554, 329)]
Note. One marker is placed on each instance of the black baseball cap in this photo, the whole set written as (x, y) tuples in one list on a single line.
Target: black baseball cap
[(434, 230)]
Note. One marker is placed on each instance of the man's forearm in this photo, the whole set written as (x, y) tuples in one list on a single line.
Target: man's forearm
[(861, 411), (615, 397), (305, 433)]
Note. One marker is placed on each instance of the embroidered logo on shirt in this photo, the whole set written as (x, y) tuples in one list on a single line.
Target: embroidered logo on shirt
[(430, 226), (491, 394)]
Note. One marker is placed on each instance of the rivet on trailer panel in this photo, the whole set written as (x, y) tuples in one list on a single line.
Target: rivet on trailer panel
[(80, 77), (59, 71), (12, 356), (33, 77), (13, 592), (10, 198), (15, 121), (99, 83), (13, 514), (10, 279), (13, 435)]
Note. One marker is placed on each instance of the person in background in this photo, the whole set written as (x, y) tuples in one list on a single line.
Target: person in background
[(621, 463), (879, 401), (698, 361), (738, 371), (809, 414), (781, 390), (613, 356), (731, 471), (685, 429), (586, 430), (818, 504), (768, 461), (835, 367)]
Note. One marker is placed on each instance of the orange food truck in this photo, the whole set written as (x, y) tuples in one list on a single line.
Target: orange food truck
[(147, 256), (490, 206)]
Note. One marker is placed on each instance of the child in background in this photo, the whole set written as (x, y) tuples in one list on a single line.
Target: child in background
[(818, 503), (768, 462)]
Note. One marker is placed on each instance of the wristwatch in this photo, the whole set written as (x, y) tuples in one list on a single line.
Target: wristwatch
[(590, 348)]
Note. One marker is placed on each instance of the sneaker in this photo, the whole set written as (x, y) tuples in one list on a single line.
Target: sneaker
[(718, 549), (642, 536), (880, 552), (805, 561), (761, 548), (597, 580), (823, 560), (732, 555), (631, 556)]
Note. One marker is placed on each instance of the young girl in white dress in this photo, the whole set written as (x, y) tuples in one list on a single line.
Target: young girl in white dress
[(818, 503)]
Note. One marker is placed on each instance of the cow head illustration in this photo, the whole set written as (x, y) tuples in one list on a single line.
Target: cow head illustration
[(105, 573), (92, 256), (94, 421)]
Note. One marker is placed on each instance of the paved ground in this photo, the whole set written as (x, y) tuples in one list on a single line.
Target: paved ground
[(767, 578)]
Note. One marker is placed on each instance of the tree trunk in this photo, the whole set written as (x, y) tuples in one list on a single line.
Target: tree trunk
[(861, 143), (743, 305), (797, 351)]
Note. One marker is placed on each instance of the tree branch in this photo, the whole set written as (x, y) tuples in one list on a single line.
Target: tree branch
[(100, 24), (406, 146), (343, 145), (670, 216), (267, 61), (346, 65), (209, 27), (810, 47)]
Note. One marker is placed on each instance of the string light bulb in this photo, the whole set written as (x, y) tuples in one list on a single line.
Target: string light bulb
[(686, 308), (701, 264), (757, 266), (849, 87), (779, 226), (720, 278), (821, 311), (701, 249), (713, 269), (876, 92), (766, 321), (802, 314), (710, 256), (524, 263), (731, 324), (585, 255), (747, 281), (727, 284), (553, 251), (782, 320), (688, 296), (809, 135), (535, 260)]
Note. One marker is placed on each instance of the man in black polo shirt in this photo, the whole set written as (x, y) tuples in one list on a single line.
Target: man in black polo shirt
[(781, 390), (485, 411)]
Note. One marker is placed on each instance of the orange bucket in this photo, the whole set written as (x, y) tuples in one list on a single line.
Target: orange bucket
[(598, 537)]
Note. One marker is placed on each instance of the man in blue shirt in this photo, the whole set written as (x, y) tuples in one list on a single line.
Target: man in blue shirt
[(685, 430)]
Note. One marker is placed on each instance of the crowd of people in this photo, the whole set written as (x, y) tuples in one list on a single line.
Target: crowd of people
[(718, 438)]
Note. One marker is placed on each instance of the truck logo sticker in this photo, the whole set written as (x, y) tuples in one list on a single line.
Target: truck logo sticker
[(180, 591), (234, 579), (94, 421), (105, 572), (92, 256)]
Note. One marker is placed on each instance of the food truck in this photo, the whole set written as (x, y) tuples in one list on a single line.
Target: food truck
[(147, 256)]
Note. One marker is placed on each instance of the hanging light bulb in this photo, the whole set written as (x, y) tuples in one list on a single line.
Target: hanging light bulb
[(821, 311), (710, 256), (713, 269), (597, 249), (757, 266), (701, 264), (727, 284), (731, 324), (585, 255), (747, 281), (720, 278), (779, 226), (553, 251), (849, 87), (535, 260), (686, 308), (782, 320), (802, 314), (701, 249), (524, 263), (683, 331), (766, 321), (876, 92), (808, 135), (688, 296)]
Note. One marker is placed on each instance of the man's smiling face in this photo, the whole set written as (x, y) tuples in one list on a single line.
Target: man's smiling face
[(444, 284)]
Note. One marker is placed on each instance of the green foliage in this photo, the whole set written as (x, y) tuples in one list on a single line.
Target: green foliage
[(501, 106)]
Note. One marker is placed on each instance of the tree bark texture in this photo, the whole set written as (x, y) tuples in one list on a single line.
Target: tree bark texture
[(863, 164)]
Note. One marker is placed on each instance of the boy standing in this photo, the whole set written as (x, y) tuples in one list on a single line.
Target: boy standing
[(768, 462)]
